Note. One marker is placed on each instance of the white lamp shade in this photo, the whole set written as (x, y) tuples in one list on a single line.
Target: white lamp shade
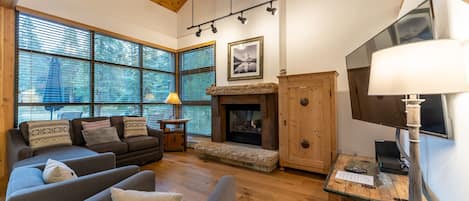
[(429, 67), (173, 98)]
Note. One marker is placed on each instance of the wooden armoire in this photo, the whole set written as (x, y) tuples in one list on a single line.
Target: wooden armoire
[(307, 121)]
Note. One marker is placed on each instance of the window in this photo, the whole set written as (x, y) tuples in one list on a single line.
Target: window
[(197, 74), (66, 72)]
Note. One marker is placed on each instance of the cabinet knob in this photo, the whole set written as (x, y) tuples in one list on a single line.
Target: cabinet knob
[(304, 101), (305, 144)]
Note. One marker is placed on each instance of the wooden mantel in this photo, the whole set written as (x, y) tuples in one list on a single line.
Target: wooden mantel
[(251, 89)]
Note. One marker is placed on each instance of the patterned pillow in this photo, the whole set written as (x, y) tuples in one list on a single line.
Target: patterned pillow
[(96, 124), (135, 126), (49, 133)]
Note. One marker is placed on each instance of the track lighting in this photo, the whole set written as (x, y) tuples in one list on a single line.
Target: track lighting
[(243, 19), (199, 32), (271, 9), (214, 29)]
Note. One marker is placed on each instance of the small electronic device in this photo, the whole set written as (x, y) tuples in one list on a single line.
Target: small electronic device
[(389, 158)]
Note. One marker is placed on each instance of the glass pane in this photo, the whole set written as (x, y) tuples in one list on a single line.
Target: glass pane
[(29, 113), (116, 110), (156, 86), (200, 119), (115, 84), (194, 86), (43, 78), (116, 51), (157, 112), (158, 59), (44, 36), (198, 58)]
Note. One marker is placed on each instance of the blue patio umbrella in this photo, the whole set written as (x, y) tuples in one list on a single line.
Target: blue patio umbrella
[(53, 92)]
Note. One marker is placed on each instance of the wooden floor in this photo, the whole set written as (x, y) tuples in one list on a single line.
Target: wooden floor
[(187, 174)]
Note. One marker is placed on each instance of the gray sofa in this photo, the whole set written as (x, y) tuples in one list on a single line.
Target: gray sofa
[(26, 183), (131, 151)]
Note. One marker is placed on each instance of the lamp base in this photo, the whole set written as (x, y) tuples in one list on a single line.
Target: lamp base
[(413, 123)]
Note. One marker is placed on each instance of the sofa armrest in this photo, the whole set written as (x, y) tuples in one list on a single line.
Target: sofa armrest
[(142, 181), (16, 148), (88, 165), (159, 134), (225, 190), (75, 190)]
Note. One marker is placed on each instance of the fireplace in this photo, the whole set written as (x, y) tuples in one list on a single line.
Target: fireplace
[(244, 124), (245, 114)]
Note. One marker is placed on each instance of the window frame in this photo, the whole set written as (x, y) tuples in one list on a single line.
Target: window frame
[(91, 104), (205, 69)]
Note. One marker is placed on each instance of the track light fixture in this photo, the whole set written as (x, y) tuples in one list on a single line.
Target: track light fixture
[(199, 32), (214, 29), (271, 9), (242, 19)]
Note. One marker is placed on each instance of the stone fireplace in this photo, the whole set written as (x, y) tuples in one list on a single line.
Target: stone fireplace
[(245, 114)]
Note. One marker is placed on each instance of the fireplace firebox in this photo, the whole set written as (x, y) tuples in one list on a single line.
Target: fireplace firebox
[(244, 124)]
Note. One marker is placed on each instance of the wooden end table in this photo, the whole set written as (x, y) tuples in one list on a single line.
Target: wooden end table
[(174, 140)]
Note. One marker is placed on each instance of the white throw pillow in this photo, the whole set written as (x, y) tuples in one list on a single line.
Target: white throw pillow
[(130, 195), (56, 171)]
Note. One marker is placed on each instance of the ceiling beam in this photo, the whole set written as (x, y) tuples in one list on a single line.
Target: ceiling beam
[(173, 5), (8, 3)]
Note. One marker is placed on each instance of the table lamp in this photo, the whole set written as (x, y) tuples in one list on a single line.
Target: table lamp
[(429, 67), (173, 99)]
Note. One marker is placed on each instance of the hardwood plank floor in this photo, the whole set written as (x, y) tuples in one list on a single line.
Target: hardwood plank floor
[(195, 178)]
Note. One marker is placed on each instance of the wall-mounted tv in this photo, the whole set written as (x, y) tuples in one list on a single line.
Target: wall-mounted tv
[(416, 26)]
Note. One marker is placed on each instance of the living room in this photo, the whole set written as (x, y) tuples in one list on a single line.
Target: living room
[(236, 99)]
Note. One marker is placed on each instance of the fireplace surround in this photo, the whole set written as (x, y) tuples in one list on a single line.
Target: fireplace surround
[(246, 98)]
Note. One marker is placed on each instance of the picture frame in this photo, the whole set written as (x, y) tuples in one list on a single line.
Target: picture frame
[(246, 59)]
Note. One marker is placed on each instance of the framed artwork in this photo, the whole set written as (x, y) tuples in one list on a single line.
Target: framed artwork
[(415, 26), (245, 59)]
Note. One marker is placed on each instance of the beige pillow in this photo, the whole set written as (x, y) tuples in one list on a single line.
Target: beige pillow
[(56, 171), (49, 133), (128, 195), (135, 126)]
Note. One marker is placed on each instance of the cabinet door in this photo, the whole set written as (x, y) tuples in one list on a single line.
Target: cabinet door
[(309, 139)]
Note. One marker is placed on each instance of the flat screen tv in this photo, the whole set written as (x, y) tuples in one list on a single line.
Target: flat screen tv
[(416, 26)]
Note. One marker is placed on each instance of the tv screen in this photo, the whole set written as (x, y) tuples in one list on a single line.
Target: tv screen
[(390, 110)]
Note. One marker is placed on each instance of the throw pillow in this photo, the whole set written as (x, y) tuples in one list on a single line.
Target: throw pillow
[(48, 133), (126, 195), (135, 126), (96, 124), (100, 136), (56, 171)]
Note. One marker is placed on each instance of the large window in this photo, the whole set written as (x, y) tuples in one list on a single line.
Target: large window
[(66, 72), (197, 68)]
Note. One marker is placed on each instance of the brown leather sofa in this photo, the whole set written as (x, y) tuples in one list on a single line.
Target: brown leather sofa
[(131, 151)]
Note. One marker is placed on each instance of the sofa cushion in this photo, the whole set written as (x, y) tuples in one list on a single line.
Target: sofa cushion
[(125, 195), (141, 142), (49, 133), (23, 178), (57, 153), (77, 137), (135, 126), (56, 171), (96, 124), (115, 147), (100, 136), (24, 132)]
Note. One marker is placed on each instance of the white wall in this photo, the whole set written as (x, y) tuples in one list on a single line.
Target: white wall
[(319, 34), (141, 19), (260, 23)]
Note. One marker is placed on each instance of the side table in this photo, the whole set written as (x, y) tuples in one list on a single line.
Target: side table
[(176, 139)]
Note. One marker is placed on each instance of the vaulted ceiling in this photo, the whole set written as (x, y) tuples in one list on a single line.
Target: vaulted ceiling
[(173, 5)]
